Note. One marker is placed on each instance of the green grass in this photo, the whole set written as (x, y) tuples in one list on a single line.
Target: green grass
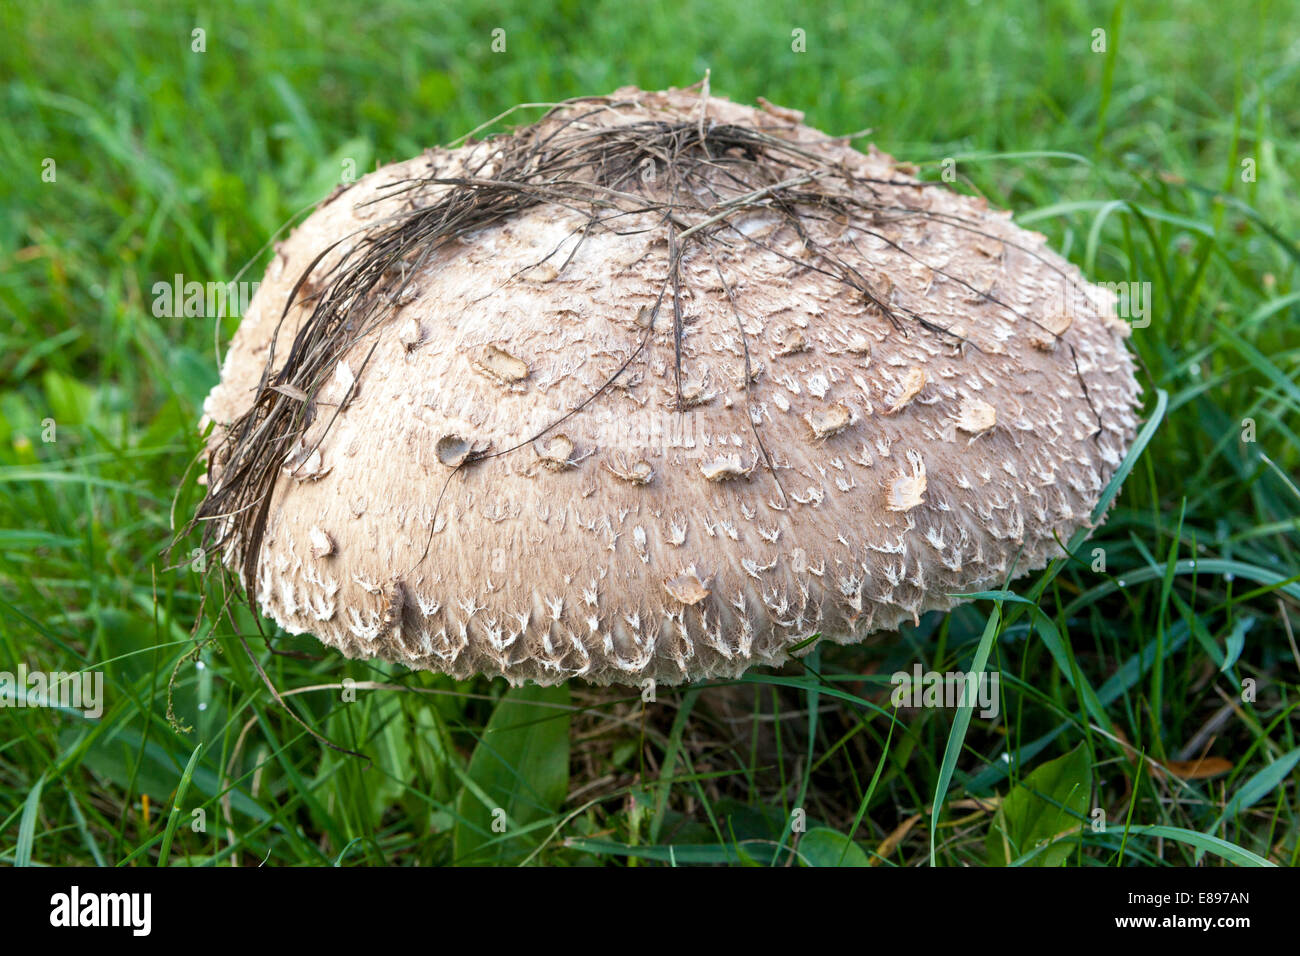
[(1131, 161)]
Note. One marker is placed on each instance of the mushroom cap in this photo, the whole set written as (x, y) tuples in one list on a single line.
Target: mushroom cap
[(507, 475)]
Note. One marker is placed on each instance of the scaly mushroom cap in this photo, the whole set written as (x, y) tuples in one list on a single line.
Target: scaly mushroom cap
[(534, 448)]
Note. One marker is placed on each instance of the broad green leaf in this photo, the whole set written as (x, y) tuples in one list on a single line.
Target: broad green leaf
[(348, 163), (758, 821), (70, 401), (822, 846), (519, 774), (391, 753), (433, 751), (193, 373), (114, 757), (1048, 803)]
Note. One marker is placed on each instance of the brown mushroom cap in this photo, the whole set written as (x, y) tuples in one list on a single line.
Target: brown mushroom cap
[(507, 475)]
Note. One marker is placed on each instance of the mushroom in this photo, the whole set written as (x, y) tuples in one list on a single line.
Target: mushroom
[(486, 478)]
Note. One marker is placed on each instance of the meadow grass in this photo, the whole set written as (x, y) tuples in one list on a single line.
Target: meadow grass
[(1148, 710)]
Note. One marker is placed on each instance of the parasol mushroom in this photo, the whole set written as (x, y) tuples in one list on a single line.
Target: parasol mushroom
[(658, 387)]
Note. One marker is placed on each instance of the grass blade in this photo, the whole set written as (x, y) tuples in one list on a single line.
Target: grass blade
[(27, 825), (174, 818), (957, 735)]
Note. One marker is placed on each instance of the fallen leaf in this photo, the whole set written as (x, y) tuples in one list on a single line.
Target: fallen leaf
[(1198, 769)]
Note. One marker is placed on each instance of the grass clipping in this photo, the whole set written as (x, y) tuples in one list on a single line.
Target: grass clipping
[(691, 175)]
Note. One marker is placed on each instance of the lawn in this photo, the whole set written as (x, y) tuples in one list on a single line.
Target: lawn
[(1149, 683)]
